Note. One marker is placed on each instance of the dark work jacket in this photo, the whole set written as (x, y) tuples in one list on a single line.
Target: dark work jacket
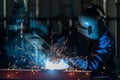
[(100, 53)]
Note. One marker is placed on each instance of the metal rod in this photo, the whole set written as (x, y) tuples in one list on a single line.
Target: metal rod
[(25, 4), (117, 30), (4, 12), (37, 8), (104, 5)]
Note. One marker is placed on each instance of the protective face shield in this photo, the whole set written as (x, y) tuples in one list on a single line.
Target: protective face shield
[(92, 22), (88, 27)]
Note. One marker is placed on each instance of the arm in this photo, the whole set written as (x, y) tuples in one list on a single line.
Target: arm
[(104, 49), (98, 55)]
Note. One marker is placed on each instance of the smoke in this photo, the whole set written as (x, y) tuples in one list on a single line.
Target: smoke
[(28, 52)]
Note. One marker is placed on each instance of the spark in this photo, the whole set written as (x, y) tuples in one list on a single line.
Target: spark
[(60, 65)]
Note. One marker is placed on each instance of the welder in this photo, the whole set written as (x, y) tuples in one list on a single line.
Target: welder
[(92, 47)]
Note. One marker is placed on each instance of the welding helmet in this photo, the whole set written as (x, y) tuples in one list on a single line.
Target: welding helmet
[(92, 22)]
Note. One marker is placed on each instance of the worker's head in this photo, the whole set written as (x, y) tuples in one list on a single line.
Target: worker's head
[(92, 22)]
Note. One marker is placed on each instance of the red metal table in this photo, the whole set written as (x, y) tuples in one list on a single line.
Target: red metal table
[(28, 74)]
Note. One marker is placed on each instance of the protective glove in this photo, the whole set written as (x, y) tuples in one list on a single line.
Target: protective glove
[(80, 63)]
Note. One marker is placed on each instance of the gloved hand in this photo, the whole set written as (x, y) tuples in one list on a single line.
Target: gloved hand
[(80, 63)]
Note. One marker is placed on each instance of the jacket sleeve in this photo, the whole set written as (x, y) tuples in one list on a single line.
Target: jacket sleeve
[(102, 53)]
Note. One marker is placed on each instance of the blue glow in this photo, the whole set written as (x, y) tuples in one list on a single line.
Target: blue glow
[(105, 41), (80, 62), (90, 67), (103, 48), (27, 50), (103, 37), (35, 25), (109, 45), (86, 22), (94, 66), (98, 57), (102, 51)]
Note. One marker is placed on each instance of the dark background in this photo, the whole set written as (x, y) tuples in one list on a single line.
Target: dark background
[(49, 9)]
